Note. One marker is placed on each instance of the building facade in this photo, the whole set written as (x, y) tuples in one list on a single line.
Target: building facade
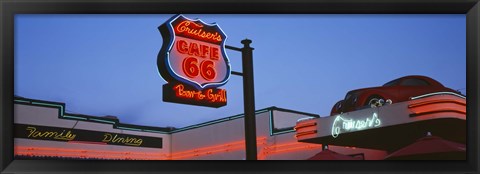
[(44, 130)]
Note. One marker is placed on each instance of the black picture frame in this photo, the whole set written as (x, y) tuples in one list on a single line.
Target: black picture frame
[(9, 8)]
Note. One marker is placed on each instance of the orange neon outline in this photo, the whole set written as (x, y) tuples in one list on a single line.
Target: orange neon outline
[(286, 144), (441, 110), (194, 49), (206, 148), (265, 150), (199, 153), (84, 151), (292, 149), (72, 150), (136, 155), (80, 155), (300, 126), (180, 46), (196, 31), (196, 152), (436, 101), (299, 134), (200, 95), (186, 70), (205, 74), (181, 92), (133, 155), (216, 147), (209, 152)]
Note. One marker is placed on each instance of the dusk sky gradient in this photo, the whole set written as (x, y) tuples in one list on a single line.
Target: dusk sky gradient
[(107, 64)]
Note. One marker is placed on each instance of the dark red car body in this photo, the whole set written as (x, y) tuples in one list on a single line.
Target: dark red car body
[(397, 90)]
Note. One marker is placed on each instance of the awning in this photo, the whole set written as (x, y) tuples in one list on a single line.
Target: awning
[(430, 148), (327, 154)]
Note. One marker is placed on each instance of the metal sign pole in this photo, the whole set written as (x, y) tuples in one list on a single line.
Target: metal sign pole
[(249, 101), (248, 98)]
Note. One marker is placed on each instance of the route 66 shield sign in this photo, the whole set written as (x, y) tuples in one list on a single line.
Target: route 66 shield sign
[(193, 56), (193, 53)]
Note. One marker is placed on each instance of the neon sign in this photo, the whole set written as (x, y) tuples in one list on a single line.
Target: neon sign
[(181, 93), (193, 54), (209, 95), (34, 133), (115, 138), (193, 29), (69, 135), (341, 124)]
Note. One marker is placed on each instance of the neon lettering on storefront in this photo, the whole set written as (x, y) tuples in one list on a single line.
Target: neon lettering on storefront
[(34, 133), (115, 138), (209, 94), (341, 124)]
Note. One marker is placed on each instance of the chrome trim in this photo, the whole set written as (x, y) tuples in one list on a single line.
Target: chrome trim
[(306, 118), (437, 93)]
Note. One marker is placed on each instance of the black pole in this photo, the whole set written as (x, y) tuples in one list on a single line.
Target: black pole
[(249, 101)]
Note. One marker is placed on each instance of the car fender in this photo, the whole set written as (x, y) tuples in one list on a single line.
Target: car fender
[(334, 108), (362, 98)]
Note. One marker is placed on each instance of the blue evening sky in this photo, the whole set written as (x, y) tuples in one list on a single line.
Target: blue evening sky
[(107, 64)]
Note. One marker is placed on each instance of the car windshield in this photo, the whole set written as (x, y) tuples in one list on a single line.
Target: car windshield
[(392, 83), (348, 96)]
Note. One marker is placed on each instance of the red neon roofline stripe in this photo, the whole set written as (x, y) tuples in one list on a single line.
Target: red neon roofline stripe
[(300, 126), (438, 111), (32, 148), (292, 149), (436, 101), (215, 147), (299, 134)]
